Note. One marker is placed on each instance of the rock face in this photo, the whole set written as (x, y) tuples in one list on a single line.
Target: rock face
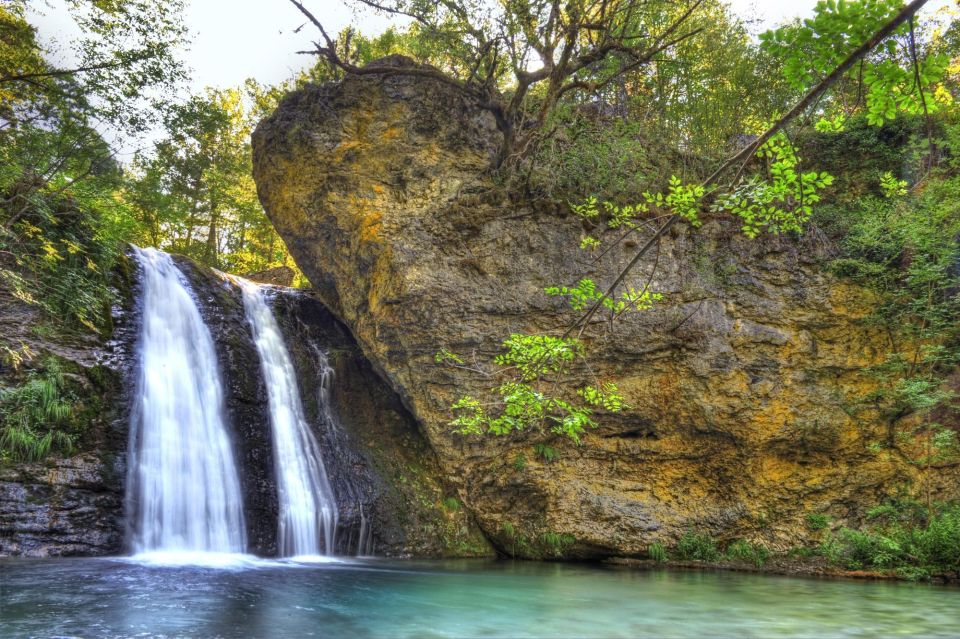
[(744, 382), (71, 505)]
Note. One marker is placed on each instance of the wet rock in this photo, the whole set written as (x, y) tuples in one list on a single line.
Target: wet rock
[(70, 506)]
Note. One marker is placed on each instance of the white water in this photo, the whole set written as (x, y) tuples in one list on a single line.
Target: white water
[(308, 510), (365, 540), (183, 493)]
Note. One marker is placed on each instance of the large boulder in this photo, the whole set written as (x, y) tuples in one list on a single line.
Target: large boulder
[(742, 382)]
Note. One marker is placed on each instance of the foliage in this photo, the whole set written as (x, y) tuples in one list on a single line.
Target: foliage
[(444, 355), (887, 80), (612, 158), (904, 247), (520, 461), (546, 453), (57, 250), (742, 550), (916, 546), (585, 293), (37, 416), (536, 365), (657, 552), (62, 218), (891, 186), (522, 59), (817, 521), (694, 546), (194, 193), (780, 203), (536, 355)]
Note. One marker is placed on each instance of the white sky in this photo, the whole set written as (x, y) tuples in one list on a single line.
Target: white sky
[(238, 39)]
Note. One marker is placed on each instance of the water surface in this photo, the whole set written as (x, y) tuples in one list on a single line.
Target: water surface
[(380, 598)]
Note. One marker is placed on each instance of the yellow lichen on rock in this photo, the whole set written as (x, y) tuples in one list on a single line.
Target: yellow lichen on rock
[(746, 394)]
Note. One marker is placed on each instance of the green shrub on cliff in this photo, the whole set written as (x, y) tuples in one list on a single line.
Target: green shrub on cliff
[(766, 184), (905, 246), (36, 416), (694, 546), (911, 542), (533, 394)]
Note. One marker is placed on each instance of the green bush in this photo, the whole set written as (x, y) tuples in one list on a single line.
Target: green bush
[(37, 415), (657, 552), (817, 521), (914, 546), (742, 550), (696, 546)]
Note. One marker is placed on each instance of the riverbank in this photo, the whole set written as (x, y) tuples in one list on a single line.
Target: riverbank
[(790, 566)]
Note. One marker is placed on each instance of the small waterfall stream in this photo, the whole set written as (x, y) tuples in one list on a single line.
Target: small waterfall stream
[(183, 491), (308, 510)]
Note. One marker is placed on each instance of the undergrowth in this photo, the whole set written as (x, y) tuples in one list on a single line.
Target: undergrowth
[(38, 416)]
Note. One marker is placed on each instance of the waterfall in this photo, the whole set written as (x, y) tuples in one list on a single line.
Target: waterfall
[(308, 510), (365, 540), (183, 492)]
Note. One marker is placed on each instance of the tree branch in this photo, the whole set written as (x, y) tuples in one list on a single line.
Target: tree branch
[(905, 14), (56, 73)]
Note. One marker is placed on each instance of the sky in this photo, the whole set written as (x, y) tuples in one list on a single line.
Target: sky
[(238, 39)]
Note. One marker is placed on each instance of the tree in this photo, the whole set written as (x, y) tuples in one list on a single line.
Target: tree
[(194, 191), (519, 58), (60, 219)]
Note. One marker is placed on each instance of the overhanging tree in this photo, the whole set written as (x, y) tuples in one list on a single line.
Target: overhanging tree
[(519, 58)]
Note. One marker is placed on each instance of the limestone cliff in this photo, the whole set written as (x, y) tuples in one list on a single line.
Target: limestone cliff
[(742, 382)]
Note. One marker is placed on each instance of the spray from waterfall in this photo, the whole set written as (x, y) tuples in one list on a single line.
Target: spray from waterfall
[(183, 491), (308, 510)]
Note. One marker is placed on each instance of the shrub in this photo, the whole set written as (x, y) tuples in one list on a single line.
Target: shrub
[(37, 416), (697, 546), (915, 545), (657, 552), (817, 521), (742, 550)]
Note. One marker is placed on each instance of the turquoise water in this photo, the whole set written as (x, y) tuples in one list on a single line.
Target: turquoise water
[(380, 598)]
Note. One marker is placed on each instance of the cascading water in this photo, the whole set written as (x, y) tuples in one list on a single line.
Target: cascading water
[(308, 510), (365, 545), (183, 491)]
